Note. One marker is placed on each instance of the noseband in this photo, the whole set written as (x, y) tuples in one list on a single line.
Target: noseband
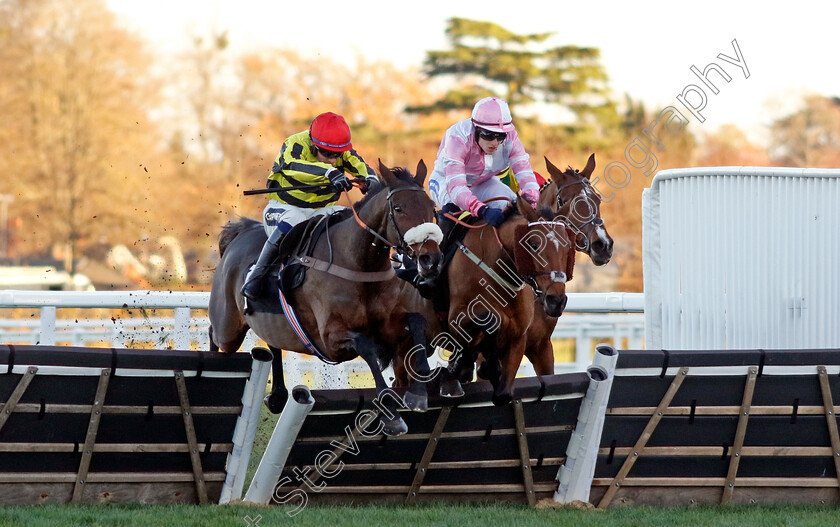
[(557, 277)]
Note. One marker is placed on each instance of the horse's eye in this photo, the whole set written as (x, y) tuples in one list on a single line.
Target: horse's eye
[(534, 245), (397, 208)]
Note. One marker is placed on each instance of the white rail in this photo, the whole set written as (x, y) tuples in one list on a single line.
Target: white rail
[(589, 318)]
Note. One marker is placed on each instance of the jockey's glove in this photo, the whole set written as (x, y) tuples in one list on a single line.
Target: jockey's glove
[(339, 180), (531, 195), (369, 181), (493, 217)]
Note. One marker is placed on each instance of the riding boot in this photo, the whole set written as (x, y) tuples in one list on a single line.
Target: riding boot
[(252, 287)]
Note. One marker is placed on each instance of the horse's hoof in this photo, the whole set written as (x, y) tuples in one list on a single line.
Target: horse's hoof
[(275, 402), (394, 428), (502, 400), (451, 389), (416, 403)]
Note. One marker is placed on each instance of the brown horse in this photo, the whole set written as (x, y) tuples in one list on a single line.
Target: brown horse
[(344, 316), (491, 305), (572, 197), (573, 200)]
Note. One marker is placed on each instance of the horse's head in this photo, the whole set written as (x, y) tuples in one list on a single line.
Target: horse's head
[(544, 254), (409, 217), (578, 204)]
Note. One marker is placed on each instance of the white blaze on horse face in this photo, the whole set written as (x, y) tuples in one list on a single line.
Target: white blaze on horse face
[(422, 233), (554, 239), (601, 232)]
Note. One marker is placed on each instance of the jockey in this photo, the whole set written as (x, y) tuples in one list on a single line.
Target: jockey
[(473, 152), (318, 156), (471, 156)]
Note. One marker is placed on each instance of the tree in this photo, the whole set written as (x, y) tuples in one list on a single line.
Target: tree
[(489, 60), (74, 135), (809, 137)]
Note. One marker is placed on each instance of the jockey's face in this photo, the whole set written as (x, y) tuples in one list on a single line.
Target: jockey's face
[(489, 146), (326, 156), (489, 141)]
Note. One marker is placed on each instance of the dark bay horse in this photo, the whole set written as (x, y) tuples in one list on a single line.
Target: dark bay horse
[(344, 318), (491, 305), (573, 200)]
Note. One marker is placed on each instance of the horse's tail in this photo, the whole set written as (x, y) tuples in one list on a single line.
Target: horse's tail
[(233, 229)]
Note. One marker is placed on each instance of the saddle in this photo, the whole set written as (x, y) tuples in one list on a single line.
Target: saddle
[(301, 241), (298, 242)]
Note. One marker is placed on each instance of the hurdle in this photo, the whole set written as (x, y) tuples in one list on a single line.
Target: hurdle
[(716, 427), (463, 449), (106, 425)]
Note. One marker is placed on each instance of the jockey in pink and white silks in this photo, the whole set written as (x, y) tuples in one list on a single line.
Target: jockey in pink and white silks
[(471, 156), (473, 152)]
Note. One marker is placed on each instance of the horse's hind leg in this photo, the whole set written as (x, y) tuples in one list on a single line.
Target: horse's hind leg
[(213, 346), (386, 399), (227, 339), (276, 400)]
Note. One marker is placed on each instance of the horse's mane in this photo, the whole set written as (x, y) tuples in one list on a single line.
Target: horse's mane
[(545, 212), (401, 173), (232, 229)]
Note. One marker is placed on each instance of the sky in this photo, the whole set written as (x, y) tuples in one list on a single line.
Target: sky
[(648, 48)]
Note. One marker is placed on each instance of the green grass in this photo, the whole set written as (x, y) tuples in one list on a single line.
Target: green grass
[(422, 515), (264, 430), (497, 515)]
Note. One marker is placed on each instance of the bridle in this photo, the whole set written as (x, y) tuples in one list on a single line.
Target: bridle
[(584, 229), (556, 276), (403, 247)]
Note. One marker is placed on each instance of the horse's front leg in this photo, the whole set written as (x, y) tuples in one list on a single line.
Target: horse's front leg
[(510, 361), (276, 400), (542, 357), (417, 364), (387, 399)]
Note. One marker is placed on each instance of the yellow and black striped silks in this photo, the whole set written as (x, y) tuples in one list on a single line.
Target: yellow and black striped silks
[(296, 165)]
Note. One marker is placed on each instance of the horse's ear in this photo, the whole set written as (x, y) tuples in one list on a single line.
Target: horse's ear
[(420, 173), (528, 212), (590, 166), (386, 174), (554, 173)]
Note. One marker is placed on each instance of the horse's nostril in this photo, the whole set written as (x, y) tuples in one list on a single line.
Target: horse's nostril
[(426, 261), (555, 304)]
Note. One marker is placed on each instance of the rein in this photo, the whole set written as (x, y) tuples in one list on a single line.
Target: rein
[(364, 276), (403, 247)]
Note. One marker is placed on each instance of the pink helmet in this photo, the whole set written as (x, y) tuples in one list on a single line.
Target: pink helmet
[(493, 114)]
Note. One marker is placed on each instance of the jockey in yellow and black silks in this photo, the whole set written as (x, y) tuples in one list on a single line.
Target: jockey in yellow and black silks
[(319, 158)]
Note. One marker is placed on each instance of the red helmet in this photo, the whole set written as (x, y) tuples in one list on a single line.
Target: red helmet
[(330, 132)]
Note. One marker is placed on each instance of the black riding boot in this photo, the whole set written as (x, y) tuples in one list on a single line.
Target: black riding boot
[(252, 287)]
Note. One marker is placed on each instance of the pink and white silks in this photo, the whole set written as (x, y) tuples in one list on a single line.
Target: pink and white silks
[(466, 176)]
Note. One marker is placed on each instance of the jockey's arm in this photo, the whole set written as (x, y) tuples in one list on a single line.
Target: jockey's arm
[(298, 165), (522, 171)]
